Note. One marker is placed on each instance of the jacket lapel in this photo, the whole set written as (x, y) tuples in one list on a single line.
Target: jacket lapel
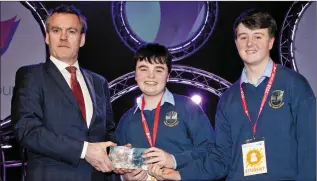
[(91, 89), (56, 75)]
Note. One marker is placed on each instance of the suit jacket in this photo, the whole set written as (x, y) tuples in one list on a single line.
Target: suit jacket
[(47, 121)]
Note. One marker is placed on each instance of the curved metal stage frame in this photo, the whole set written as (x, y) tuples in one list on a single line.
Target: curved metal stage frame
[(287, 33), (178, 52), (180, 74)]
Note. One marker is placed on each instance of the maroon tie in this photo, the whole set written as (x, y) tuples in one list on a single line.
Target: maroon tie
[(77, 90)]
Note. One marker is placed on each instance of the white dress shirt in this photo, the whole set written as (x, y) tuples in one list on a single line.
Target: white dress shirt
[(87, 99)]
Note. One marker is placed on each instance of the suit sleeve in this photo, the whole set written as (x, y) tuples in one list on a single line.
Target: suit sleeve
[(28, 125), (110, 124), (216, 164), (200, 132)]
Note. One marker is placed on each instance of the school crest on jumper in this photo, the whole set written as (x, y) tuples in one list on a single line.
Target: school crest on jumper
[(276, 100), (171, 119)]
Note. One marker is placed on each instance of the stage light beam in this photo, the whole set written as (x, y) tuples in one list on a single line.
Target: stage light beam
[(196, 98)]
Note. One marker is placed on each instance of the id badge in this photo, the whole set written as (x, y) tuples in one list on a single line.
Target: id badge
[(254, 157)]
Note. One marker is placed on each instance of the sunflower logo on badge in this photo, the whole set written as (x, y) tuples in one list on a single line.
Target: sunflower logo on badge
[(254, 157), (171, 119), (277, 99)]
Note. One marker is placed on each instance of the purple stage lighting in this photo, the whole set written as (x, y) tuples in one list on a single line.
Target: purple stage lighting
[(196, 99), (6, 146)]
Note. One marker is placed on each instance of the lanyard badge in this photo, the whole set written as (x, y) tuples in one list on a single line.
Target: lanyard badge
[(253, 150), (145, 125), (254, 157), (146, 128)]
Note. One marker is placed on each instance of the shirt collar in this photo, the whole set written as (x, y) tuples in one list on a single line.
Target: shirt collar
[(62, 65), (267, 72), (167, 97)]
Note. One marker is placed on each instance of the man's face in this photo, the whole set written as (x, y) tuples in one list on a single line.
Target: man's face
[(253, 45), (151, 78), (64, 36)]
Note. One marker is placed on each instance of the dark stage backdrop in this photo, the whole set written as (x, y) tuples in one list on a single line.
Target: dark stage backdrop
[(106, 54)]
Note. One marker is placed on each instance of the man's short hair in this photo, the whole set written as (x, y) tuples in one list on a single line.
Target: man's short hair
[(68, 10), (256, 19), (153, 53)]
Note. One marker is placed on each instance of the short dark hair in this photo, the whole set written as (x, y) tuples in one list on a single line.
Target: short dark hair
[(153, 53), (256, 19), (68, 10)]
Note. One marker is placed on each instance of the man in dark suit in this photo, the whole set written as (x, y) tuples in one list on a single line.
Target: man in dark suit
[(62, 113)]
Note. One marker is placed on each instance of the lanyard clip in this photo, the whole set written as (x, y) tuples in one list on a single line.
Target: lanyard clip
[(253, 136)]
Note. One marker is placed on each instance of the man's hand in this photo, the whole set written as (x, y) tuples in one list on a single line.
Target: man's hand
[(122, 171), (161, 173), (137, 174), (158, 156), (97, 156)]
